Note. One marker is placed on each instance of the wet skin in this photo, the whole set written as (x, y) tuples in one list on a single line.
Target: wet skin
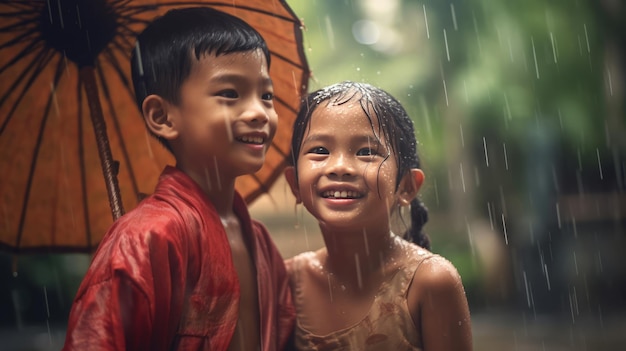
[(219, 130)]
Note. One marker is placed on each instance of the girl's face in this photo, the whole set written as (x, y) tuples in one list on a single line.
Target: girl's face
[(346, 175)]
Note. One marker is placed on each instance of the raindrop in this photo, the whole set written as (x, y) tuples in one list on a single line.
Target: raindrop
[(545, 268), (509, 115), (453, 17), (49, 11), (485, 148), (358, 272), (506, 237), (575, 262), (558, 215), (608, 77), (490, 214), (587, 38), (462, 138), (53, 94), (148, 146), (445, 90), (535, 57), (426, 23), (330, 287), (527, 290), (217, 174), (139, 61), (555, 180), (462, 176), (63, 26), (330, 32), (553, 47), (45, 294), (469, 236), (436, 192), (208, 178), (80, 24), (599, 163), (445, 39), (480, 48), (506, 159)]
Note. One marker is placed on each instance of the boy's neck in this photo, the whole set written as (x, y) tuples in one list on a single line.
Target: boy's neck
[(218, 189)]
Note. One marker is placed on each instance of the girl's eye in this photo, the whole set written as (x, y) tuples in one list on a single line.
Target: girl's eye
[(229, 94), (267, 96), (320, 150), (366, 151)]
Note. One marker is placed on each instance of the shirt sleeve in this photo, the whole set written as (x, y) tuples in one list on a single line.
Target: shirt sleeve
[(131, 295), (110, 315)]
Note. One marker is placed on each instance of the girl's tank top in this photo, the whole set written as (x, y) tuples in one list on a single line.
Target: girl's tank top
[(388, 324)]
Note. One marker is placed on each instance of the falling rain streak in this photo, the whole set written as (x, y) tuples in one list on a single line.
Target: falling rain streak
[(532, 40), (506, 159), (426, 22), (485, 148), (506, 236)]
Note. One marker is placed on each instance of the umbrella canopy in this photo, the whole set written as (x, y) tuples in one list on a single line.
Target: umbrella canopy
[(71, 137)]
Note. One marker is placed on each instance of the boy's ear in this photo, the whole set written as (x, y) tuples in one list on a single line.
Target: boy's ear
[(290, 175), (156, 114), (410, 185)]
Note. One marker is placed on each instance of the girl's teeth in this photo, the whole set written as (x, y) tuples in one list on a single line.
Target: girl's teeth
[(341, 194), (255, 140)]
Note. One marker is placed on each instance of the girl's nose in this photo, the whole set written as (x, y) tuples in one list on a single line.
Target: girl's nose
[(340, 166)]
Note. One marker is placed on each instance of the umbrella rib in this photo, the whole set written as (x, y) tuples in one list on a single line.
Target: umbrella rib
[(81, 158), (33, 69), (31, 173), (118, 68), (20, 55)]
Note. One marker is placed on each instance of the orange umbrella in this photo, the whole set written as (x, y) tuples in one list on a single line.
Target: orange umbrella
[(67, 114)]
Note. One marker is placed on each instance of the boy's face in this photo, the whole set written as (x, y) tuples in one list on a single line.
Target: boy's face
[(225, 120)]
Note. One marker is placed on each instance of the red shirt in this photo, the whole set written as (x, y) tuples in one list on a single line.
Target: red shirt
[(163, 278)]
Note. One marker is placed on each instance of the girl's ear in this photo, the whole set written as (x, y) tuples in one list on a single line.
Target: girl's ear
[(290, 175), (156, 114), (410, 185)]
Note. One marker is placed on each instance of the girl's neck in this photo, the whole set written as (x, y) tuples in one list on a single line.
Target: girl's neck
[(356, 257)]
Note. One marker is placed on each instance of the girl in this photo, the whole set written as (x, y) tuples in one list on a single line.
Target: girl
[(355, 165)]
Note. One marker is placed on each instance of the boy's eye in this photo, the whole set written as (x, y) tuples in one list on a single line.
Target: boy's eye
[(229, 93), (267, 96), (318, 150)]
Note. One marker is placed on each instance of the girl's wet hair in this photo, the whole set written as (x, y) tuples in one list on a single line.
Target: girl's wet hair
[(169, 46), (390, 118)]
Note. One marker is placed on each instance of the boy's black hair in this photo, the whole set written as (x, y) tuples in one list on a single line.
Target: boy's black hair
[(395, 124), (168, 47)]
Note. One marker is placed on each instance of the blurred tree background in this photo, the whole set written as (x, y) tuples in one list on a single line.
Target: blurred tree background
[(519, 107), (519, 110)]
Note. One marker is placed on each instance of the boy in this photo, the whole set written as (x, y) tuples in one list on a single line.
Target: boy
[(188, 269)]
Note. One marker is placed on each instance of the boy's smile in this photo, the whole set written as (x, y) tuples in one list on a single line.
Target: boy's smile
[(225, 118)]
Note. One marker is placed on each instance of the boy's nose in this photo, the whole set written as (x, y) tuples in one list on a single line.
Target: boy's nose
[(257, 112)]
